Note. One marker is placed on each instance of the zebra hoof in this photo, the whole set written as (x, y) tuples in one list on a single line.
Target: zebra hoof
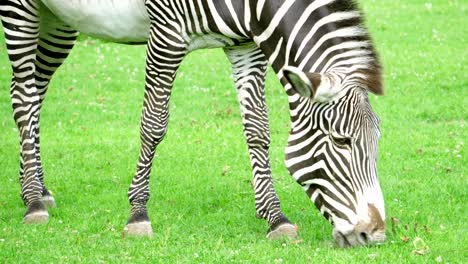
[(36, 213), (49, 201), (138, 229), (286, 230), (139, 225)]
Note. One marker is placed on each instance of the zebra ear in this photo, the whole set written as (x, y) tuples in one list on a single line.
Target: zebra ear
[(304, 83)]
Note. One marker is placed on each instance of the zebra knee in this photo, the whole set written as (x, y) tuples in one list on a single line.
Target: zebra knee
[(258, 140), (155, 136)]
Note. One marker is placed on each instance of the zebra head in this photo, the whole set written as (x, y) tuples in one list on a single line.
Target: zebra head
[(332, 151)]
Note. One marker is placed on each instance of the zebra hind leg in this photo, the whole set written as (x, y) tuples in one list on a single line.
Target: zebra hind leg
[(56, 41), (249, 68), (163, 59)]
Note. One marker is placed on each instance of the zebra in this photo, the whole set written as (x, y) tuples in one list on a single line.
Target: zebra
[(320, 51)]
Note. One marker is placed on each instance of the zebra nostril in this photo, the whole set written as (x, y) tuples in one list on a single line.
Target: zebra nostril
[(364, 236)]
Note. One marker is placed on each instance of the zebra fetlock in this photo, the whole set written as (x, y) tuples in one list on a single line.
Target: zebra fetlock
[(48, 199)]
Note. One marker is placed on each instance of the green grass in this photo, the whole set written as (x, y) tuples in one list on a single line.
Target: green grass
[(202, 206)]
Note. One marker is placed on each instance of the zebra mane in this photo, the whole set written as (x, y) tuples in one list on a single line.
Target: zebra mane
[(373, 81), (320, 36), (352, 24)]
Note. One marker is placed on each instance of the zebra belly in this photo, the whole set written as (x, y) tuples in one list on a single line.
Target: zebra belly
[(209, 41), (113, 20)]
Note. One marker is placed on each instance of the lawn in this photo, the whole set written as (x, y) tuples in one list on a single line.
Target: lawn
[(202, 206)]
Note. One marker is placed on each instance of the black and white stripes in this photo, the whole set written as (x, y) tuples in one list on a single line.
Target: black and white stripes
[(320, 51), (36, 49)]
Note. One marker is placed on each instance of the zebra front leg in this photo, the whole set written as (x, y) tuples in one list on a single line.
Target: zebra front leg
[(21, 27), (55, 43), (249, 70), (164, 56)]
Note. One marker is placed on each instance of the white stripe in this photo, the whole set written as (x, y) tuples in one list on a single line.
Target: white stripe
[(260, 5), (247, 14), (329, 186), (345, 45), (186, 18), (343, 32), (203, 14), (339, 207), (325, 20), (235, 17), (195, 21), (299, 25), (318, 165), (276, 52), (274, 22), (220, 22)]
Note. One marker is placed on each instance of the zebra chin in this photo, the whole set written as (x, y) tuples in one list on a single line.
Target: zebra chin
[(369, 230)]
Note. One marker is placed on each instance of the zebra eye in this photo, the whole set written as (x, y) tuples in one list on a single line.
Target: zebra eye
[(344, 141)]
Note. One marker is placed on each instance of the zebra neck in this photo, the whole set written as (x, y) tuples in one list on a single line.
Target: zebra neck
[(113, 20)]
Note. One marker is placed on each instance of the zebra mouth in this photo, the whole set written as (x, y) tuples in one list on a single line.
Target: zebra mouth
[(341, 240), (344, 241), (352, 239)]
